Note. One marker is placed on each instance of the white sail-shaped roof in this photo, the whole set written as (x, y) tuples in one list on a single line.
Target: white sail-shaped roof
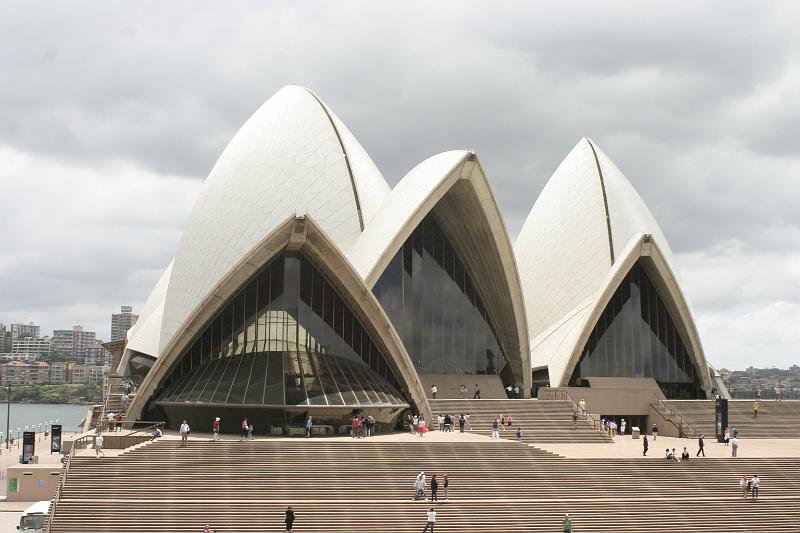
[(293, 157), (585, 231)]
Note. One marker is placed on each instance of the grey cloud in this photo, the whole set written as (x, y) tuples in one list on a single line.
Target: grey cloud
[(694, 102)]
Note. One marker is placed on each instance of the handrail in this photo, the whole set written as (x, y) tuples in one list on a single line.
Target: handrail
[(61, 482), (566, 396), (685, 428)]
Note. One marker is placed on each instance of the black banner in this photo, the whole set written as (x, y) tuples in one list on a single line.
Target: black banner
[(28, 446), (55, 438)]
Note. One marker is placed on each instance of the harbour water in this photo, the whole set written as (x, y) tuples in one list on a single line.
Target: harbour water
[(40, 414)]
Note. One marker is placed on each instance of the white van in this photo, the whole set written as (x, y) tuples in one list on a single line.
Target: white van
[(32, 520)]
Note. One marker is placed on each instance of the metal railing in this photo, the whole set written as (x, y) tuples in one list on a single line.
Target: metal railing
[(685, 428), (548, 393), (78, 443)]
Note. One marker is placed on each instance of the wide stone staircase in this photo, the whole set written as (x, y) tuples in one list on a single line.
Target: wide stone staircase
[(776, 420), (542, 421), (338, 485)]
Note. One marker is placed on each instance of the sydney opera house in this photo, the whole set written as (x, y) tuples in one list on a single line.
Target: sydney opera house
[(304, 285)]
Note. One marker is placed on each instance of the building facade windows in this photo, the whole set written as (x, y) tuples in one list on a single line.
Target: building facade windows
[(432, 300), (636, 336), (287, 338)]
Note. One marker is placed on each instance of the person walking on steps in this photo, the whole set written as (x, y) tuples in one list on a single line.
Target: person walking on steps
[(431, 521), (98, 445), (477, 395), (309, 423), (582, 407), (184, 434), (245, 428), (744, 486), (734, 446), (215, 428), (645, 445), (755, 409), (755, 483), (445, 485), (700, 450), (519, 434), (434, 489), (566, 524), (289, 518)]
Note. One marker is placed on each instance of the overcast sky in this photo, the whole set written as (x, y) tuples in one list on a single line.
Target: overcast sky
[(112, 114)]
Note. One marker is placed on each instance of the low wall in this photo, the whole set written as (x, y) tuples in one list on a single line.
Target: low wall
[(449, 385), (31, 483)]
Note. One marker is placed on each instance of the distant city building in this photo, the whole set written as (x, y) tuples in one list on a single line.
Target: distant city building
[(73, 342), (61, 372), (24, 330), (5, 339), (32, 345), (22, 373), (121, 322), (97, 355)]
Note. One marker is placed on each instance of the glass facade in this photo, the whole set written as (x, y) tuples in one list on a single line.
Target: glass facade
[(636, 337), (286, 338), (431, 298)]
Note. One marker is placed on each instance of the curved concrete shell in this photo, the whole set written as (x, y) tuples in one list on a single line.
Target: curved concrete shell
[(293, 157), (144, 336), (454, 186), (296, 235), (586, 230)]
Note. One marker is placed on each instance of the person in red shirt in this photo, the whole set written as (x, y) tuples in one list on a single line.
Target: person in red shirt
[(575, 420), (356, 426), (215, 428)]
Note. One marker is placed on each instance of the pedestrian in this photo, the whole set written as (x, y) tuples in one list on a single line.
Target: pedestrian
[(370, 426), (734, 432), (245, 427), (744, 486), (309, 423), (157, 434), (463, 390), (654, 430), (496, 429), (622, 426), (509, 421), (727, 436), (98, 445), (445, 485), (434, 488), (582, 407), (519, 434), (516, 392), (509, 391), (415, 424), (503, 422), (700, 443), (477, 394), (434, 390), (566, 524), (431, 520), (111, 418), (462, 422), (575, 420), (422, 426), (184, 429), (125, 400), (755, 483), (289, 519), (644, 444), (250, 430), (419, 486), (734, 446), (755, 409), (685, 454), (466, 420), (119, 421), (215, 428)]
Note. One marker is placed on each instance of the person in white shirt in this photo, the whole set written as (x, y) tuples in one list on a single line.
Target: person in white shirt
[(112, 419), (734, 446), (98, 445), (743, 486), (622, 427), (754, 484), (184, 434), (431, 520), (434, 390)]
